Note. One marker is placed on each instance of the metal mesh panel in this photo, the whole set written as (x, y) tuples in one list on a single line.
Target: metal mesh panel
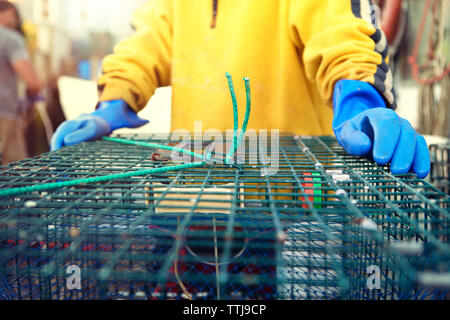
[(440, 166), (311, 231)]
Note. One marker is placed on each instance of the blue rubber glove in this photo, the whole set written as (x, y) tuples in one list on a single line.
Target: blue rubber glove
[(109, 116), (364, 126)]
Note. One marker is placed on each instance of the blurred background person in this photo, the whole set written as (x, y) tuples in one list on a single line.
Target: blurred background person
[(14, 64)]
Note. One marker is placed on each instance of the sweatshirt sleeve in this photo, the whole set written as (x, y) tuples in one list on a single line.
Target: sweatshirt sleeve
[(140, 63), (15, 47), (341, 39)]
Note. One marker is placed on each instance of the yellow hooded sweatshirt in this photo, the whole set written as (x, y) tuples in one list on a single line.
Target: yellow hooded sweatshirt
[(294, 51)]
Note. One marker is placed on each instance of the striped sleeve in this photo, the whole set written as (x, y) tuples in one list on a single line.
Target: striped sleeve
[(341, 39), (383, 80)]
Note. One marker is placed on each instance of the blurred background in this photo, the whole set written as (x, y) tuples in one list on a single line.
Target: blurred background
[(69, 38)]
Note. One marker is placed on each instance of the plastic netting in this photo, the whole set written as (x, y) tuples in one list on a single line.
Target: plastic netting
[(326, 225)]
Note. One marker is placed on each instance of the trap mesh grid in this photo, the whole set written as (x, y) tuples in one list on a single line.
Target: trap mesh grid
[(440, 166), (325, 226)]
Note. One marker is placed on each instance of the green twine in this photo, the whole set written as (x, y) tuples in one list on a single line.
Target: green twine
[(235, 109), (153, 145), (247, 112), (237, 141), (107, 178)]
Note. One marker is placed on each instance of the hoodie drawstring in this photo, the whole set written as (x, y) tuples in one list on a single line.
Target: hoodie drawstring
[(214, 13)]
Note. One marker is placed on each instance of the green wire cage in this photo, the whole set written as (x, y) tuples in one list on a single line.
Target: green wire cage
[(326, 225), (440, 166)]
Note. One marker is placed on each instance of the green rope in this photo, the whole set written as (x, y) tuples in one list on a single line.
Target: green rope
[(247, 112), (153, 145), (237, 141), (235, 111), (107, 178)]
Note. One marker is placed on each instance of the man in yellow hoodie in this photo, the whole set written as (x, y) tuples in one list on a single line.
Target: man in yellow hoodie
[(315, 66)]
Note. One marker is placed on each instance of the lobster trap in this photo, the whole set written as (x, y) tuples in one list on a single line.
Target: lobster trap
[(440, 166), (323, 225)]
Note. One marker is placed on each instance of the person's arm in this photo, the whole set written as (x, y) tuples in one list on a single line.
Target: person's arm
[(26, 72), (346, 54), (131, 74), (339, 39), (19, 59), (142, 62)]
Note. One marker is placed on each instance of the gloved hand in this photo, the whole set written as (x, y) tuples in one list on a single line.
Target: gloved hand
[(109, 116), (365, 127)]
